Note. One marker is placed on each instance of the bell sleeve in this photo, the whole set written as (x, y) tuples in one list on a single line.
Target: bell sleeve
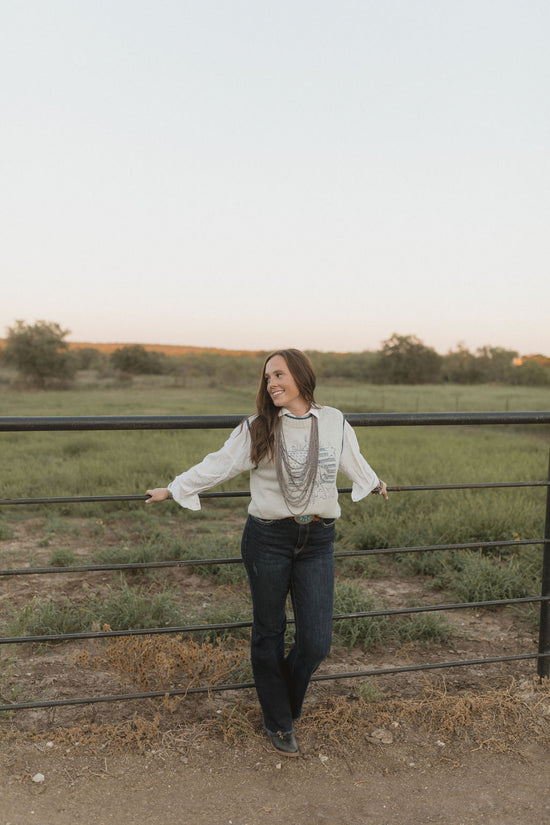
[(233, 458), (355, 467)]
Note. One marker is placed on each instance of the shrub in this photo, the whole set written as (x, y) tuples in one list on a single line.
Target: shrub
[(477, 577), (40, 353), (135, 608), (62, 557), (423, 627), (44, 617), (136, 360)]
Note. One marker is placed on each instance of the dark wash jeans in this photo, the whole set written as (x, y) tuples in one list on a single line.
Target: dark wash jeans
[(282, 556)]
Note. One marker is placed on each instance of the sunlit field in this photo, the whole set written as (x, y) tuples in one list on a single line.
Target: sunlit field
[(95, 463), (119, 463)]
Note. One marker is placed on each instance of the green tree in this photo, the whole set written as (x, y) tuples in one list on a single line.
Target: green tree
[(40, 354), (496, 364), (348, 366), (136, 360), (532, 373), (405, 359), (89, 358), (460, 366)]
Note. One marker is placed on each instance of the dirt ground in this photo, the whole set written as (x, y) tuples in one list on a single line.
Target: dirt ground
[(488, 766), (468, 747), (217, 785)]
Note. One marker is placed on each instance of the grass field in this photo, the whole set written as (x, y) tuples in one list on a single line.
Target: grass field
[(161, 394), (58, 464)]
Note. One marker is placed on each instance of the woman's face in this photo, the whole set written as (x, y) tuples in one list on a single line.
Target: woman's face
[(282, 388)]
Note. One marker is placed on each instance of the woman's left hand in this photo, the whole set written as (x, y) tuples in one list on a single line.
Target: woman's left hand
[(381, 489)]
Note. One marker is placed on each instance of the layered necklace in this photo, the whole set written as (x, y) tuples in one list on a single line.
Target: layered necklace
[(297, 478)]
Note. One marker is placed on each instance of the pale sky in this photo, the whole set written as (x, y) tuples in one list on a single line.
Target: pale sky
[(249, 174)]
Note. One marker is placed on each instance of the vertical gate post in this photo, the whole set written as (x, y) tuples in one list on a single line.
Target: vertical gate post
[(543, 667)]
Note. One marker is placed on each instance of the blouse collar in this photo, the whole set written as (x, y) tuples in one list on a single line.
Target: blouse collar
[(312, 411)]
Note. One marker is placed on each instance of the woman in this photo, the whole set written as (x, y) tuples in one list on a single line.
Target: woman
[(293, 448)]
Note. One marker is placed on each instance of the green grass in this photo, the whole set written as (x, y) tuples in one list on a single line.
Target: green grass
[(470, 576), (369, 692), (92, 463), (6, 531), (434, 398), (423, 627), (130, 607), (223, 610), (157, 395), (375, 631), (421, 519), (62, 557), (46, 617), (13, 685), (165, 548), (124, 608), (367, 633)]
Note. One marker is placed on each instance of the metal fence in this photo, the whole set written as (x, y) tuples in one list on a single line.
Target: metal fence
[(80, 423)]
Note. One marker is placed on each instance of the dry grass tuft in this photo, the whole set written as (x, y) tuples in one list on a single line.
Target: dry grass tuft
[(500, 719), (135, 735), (167, 662), (239, 722), (497, 719)]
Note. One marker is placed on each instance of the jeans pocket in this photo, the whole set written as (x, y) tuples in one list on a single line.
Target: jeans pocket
[(264, 521), (328, 522)]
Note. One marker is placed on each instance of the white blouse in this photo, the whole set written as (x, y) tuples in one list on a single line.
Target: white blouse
[(267, 501)]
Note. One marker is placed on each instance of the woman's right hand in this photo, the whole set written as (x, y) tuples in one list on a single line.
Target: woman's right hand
[(157, 494)]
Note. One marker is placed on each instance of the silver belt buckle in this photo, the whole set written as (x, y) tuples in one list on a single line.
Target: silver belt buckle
[(303, 519)]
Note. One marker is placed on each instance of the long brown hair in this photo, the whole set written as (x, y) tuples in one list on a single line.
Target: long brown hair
[(262, 428)]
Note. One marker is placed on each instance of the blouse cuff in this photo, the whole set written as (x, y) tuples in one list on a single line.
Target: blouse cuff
[(361, 490), (190, 501)]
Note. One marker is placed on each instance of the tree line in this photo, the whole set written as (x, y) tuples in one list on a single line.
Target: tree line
[(42, 358)]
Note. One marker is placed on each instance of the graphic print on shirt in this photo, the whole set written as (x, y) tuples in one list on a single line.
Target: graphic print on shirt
[(326, 473)]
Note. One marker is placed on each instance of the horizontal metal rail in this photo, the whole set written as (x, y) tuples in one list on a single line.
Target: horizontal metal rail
[(416, 488), (146, 565), (354, 674), (203, 628), (199, 422)]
